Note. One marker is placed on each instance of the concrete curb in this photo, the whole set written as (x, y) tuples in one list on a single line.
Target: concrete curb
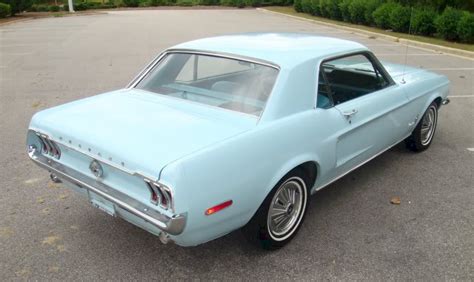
[(412, 43)]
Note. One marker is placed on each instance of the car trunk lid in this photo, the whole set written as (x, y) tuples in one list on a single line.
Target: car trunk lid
[(139, 131)]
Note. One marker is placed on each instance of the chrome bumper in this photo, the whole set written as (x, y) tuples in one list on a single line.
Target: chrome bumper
[(173, 225), (445, 101)]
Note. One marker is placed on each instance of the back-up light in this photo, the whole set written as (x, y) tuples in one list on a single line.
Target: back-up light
[(219, 207), (160, 194), (49, 147)]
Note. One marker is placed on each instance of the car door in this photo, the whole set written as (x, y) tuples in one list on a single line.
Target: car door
[(371, 106)]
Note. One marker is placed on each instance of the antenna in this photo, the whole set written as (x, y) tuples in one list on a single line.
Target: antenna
[(406, 49)]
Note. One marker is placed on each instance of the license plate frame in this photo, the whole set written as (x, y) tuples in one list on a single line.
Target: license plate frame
[(102, 204)]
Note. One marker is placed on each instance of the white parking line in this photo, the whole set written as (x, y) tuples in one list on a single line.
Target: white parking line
[(450, 69), (385, 45), (461, 96), (470, 149), (22, 45), (18, 54), (418, 54)]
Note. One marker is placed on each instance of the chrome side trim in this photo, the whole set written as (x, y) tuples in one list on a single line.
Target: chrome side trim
[(173, 225), (314, 190), (94, 156)]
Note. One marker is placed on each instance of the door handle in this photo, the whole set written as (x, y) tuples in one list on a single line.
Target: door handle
[(349, 114)]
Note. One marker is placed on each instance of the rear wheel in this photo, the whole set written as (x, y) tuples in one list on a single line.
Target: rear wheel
[(279, 217), (423, 133)]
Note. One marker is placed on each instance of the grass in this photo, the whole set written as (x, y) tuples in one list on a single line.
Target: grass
[(437, 41)]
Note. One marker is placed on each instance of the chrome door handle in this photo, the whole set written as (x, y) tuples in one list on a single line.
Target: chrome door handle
[(349, 114)]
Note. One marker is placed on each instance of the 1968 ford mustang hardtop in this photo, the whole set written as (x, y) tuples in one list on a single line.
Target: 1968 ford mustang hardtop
[(235, 132)]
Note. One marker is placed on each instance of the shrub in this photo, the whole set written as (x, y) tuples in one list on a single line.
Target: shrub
[(323, 8), (252, 3), (5, 10), (297, 5), (130, 3), (39, 8), (208, 2), (400, 18), (239, 3), (81, 6), (103, 6), (306, 6), (330, 9), (357, 11), (447, 23), (54, 8), (166, 3), (184, 3), (422, 21), (382, 15), (315, 7), (370, 7), (17, 6), (465, 28), (30, 9), (344, 9)]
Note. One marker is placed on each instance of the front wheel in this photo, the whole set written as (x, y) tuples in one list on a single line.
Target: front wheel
[(279, 217), (422, 135)]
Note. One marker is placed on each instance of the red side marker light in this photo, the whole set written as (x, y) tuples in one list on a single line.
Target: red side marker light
[(217, 208)]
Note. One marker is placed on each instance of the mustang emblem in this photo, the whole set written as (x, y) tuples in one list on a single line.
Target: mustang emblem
[(96, 168)]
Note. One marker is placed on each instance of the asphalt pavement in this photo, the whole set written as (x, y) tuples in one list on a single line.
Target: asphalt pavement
[(351, 231)]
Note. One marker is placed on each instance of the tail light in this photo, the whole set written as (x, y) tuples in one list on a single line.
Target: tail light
[(49, 147), (160, 194)]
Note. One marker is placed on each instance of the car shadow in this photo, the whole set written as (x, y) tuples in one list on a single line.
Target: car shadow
[(325, 210)]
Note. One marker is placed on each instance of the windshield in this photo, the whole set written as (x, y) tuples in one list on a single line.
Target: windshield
[(222, 82)]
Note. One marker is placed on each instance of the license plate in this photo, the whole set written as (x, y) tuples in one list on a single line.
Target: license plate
[(102, 203)]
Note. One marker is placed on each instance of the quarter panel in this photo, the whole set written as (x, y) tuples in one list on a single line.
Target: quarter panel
[(244, 169)]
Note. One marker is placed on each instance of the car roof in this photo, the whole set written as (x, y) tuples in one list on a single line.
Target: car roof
[(283, 49)]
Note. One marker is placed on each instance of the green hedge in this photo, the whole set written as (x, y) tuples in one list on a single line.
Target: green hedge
[(5, 10), (465, 28), (422, 21), (447, 23), (450, 23), (18, 6), (381, 15)]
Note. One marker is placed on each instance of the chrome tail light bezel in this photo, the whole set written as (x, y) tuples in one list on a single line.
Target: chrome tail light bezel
[(160, 195), (48, 147)]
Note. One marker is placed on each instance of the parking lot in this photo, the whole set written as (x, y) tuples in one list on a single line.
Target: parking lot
[(351, 230)]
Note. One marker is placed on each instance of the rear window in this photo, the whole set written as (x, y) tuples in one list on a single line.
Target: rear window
[(232, 84)]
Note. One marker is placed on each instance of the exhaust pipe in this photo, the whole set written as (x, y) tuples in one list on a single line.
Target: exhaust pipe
[(164, 238), (55, 178)]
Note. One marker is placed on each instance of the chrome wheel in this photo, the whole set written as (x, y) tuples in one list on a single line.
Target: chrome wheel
[(286, 208), (428, 125)]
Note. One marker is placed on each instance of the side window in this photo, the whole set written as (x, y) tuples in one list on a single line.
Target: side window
[(351, 77)]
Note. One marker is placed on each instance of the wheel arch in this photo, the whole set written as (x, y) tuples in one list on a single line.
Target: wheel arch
[(309, 164), (434, 97)]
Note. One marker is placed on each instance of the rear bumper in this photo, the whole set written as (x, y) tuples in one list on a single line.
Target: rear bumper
[(173, 225)]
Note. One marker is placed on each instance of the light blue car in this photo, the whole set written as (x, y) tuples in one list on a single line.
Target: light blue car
[(235, 132)]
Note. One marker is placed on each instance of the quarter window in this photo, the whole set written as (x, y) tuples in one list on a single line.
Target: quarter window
[(348, 78)]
